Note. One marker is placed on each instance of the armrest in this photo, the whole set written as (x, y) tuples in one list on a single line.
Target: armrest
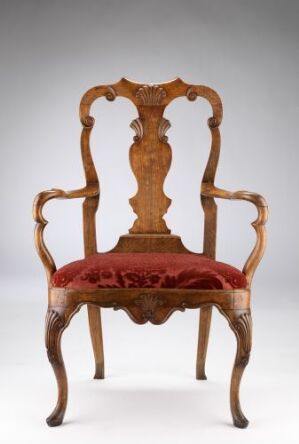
[(210, 191), (40, 200)]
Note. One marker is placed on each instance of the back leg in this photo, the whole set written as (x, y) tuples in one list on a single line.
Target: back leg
[(203, 340), (95, 327)]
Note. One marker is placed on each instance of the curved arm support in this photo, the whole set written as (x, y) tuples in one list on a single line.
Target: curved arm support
[(41, 222), (209, 190)]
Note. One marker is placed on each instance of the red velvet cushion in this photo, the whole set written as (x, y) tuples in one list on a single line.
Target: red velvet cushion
[(148, 270)]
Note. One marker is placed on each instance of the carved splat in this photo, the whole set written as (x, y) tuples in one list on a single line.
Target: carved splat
[(150, 158)]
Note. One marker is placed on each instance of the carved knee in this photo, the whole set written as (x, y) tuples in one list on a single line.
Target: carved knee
[(54, 326), (241, 324)]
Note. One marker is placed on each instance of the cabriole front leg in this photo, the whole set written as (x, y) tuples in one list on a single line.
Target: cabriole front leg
[(55, 324), (241, 324)]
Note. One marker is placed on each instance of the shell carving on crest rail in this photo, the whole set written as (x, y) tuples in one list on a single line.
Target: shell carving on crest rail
[(151, 94)]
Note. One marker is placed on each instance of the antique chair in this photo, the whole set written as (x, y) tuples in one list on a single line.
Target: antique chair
[(149, 273)]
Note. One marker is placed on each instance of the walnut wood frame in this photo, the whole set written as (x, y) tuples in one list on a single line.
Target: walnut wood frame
[(150, 158)]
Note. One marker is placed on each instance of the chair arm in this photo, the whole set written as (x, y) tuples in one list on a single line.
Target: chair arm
[(40, 200), (209, 190)]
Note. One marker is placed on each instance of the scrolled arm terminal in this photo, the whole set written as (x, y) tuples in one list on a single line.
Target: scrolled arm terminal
[(39, 202)]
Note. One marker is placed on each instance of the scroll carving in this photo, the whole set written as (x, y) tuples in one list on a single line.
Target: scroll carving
[(110, 94), (151, 94), (213, 122), (137, 126), (191, 94), (88, 121), (163, 127)]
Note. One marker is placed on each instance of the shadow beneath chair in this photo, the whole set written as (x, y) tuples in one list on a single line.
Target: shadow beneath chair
[(152, 402)]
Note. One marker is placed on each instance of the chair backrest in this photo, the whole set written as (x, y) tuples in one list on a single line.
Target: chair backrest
[(150, 159)]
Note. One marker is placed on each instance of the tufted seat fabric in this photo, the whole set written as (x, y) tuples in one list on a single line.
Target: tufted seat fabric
[(149, 270)]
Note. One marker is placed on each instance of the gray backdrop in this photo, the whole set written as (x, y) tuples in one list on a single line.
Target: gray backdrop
[(53, 51)]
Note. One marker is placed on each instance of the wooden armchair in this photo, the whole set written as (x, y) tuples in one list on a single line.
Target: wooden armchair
[(149, 273)]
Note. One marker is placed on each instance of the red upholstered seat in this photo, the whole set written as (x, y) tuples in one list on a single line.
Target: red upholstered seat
[(149, 270)]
